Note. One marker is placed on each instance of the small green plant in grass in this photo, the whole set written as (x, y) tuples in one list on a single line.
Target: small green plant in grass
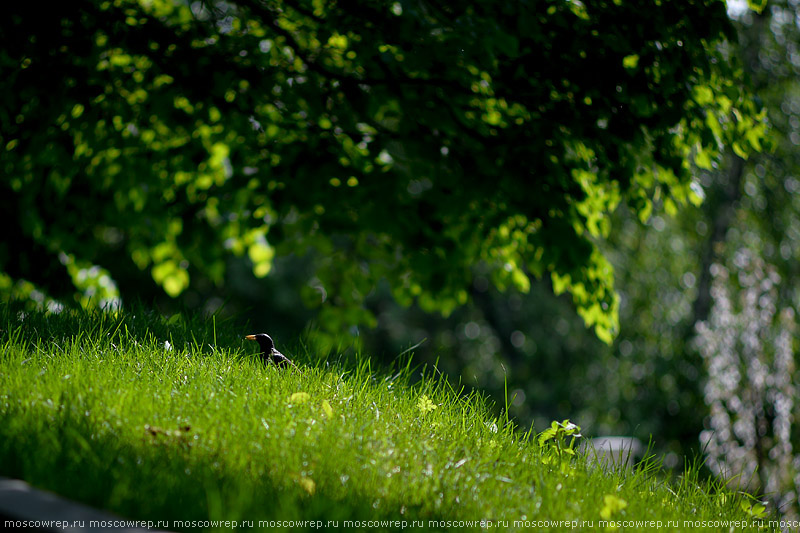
[(755, 509), (558, 442), (613, 506), (425, 405)]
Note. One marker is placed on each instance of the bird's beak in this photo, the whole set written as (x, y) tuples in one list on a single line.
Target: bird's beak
[(250, 337)]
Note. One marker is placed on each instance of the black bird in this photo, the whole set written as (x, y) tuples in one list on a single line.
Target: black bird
[(269, 353)]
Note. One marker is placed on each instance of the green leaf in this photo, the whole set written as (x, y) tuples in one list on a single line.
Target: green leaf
[(631, 61), (739, 150), (702, 159), (757, 5)]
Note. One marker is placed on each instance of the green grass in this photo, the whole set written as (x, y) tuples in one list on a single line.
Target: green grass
[(95, 407)]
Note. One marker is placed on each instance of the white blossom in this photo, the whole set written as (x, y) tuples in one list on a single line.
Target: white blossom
[(746, 345)]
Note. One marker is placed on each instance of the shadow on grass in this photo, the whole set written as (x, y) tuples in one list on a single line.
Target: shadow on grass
[(148, 480), (136, 325)]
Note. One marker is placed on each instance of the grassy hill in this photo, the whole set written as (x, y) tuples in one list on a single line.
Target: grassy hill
[(174, 419)]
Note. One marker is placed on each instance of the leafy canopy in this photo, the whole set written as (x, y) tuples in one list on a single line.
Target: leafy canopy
[(402, 140)]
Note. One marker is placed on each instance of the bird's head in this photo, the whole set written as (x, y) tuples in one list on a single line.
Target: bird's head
[(263, 340)]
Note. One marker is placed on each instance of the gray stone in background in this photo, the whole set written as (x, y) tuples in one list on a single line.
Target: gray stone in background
[(47, 512), (614, 452)]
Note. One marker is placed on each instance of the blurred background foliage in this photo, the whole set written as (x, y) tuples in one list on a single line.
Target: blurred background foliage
[(454, 180), (397, 141)]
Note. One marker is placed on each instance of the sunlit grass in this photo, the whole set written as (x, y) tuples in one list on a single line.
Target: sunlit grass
[(153, 419)]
